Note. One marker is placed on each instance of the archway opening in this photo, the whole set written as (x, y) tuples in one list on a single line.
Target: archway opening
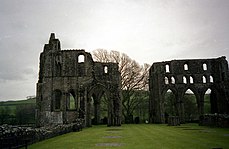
[(99, 108), (210, 102), (71, 101), (140, 107), (169, 105), (104, 109), (190, 106), (207, 102)]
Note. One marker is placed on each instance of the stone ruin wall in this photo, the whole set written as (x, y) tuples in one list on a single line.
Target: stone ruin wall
[(198, 75), (63, 72), (73, 72)]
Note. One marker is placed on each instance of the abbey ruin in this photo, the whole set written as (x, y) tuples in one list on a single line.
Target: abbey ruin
[(71, 76), (71, 86), (198, 75)]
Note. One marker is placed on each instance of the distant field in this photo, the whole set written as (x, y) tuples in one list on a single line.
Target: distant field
[(17, 102), (142, 136), (12, 104)]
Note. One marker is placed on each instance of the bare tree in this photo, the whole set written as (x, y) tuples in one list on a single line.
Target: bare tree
[(134, 77)]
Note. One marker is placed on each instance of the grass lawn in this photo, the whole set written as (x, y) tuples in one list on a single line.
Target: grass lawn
[(142, 136)]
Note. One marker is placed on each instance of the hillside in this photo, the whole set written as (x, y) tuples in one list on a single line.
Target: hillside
[(18, 102), (17, 112)]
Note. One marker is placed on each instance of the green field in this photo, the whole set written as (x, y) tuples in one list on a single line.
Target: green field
[(17, 112), (11, 105), (143, 136)]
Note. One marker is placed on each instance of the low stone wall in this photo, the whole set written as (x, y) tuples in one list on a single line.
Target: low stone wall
[(173, 121), (215, 120), (15, 136)]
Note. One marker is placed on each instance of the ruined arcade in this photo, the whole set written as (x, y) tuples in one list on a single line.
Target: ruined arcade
[(198, 75), (66, 74)]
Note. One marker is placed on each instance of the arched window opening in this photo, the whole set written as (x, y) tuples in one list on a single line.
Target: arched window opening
[(166, 80), (205, 67), (204, 79), (185, 66), (167, 70), (105, 69), (190, 106), (71, 101), (191, 80), (211, 79), (173, 81), (81, 58), (184, 80)]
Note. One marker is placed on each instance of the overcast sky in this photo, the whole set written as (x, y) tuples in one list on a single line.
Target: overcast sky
[(146, 30)]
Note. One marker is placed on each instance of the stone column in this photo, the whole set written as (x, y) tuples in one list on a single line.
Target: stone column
[(110, 111), (63, 106), (88, 113), (201, 105), (182, 117), (180, 107), (97, 112)]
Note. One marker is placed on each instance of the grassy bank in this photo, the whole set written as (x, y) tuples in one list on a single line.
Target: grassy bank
[(141, 136), (17, 112), (11, 105)]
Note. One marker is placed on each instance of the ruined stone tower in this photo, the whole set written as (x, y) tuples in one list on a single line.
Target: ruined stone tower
[(198, 75), (66, 74)]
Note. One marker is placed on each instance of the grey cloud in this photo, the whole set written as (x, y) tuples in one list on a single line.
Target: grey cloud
[(26, 24)]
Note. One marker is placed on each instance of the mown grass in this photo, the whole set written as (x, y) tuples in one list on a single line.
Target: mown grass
[(147, 136)]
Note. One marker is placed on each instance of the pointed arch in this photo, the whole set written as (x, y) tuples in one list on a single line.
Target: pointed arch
[(99, 104), (169, 104), (190, 105), (211, 95), (207, 101), (71, 102), (170, 89)]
